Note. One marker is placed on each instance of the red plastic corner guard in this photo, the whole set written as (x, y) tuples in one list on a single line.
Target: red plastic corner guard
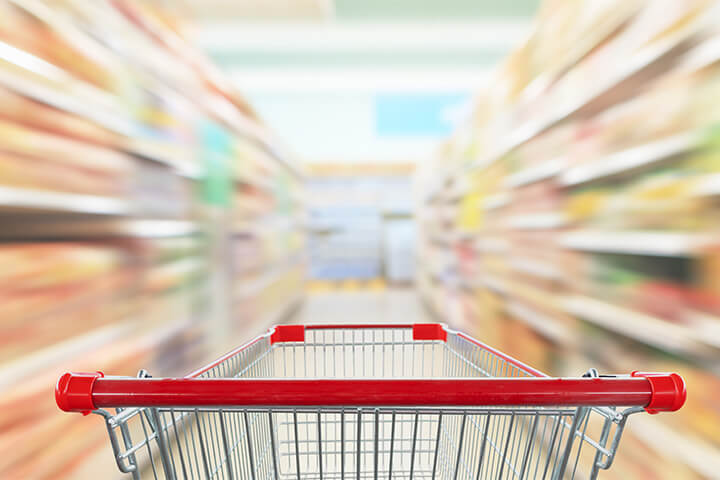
[(288, 333), (668, 392), (296, 333), (429, 331), (73, 392)]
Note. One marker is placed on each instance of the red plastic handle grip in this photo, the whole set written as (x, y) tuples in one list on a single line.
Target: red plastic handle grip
[(187, 392), (668, 391), (74, 392), (288, 333), (429, 331)]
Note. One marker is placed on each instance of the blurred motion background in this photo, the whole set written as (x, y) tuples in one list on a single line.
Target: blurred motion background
[(176, 176)]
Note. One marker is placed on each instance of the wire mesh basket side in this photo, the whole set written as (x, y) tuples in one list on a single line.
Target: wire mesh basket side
[(323, 442), (334, 443)]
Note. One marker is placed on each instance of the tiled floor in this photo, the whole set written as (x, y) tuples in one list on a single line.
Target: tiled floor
[(385, 306)]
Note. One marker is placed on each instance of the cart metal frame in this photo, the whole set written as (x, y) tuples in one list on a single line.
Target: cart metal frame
[(414, 401)]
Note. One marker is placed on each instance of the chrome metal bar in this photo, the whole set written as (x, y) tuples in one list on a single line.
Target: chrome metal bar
[(528, 447), (147, 444), (437, 445), (179, 447), (392, 445), (297, 446), (162, 445), (319, 442), (581, 411), (551, 446), (127, 441), (203, 451), (460, 444), (228, 453), (273, 448), (581, 443), (412, 455), (377, 434), (342, 444), (359, 436), (507, 444)]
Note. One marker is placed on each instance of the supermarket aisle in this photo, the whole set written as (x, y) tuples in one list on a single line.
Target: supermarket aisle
[(153, 218), (395, 305)]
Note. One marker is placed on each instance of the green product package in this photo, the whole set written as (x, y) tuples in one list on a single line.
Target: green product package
[(216, 157)]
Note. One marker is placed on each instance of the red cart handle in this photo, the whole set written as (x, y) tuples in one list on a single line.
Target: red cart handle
[(73, 391), (655, 391), (668, 391)]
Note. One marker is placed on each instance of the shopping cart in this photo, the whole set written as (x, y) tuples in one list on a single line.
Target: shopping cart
[(367, 402)]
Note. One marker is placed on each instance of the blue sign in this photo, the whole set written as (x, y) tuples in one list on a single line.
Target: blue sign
[(419, 114)]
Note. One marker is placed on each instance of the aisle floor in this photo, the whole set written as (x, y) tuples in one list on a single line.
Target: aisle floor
[(394, 305)]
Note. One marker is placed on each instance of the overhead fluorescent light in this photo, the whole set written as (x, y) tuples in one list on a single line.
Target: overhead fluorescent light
[(356, 79)]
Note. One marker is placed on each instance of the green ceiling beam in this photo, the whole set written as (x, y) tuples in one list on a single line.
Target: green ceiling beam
[(434, 9), (480, 57)]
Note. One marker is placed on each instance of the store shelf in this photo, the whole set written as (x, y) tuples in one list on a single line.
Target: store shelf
[(535, 268), (542, 324), (264, 139), (536, 173), (494, 283), (16, 371), (521, 134), (176, 156), (486, 244), (450, 238), (23, 199), (703, 55), (96, 229), (706, 328), (642, 59), (441, 240), (708, 186), (276, 223), (645, 328), (459, 189), (497, 200), (556, 141), (181, 267), (82, 99), (96, 105), (629, 160), (133, 122), (255, 179), (668, 442), (252, 288), (536, 221), (589, 41), (644, 242)]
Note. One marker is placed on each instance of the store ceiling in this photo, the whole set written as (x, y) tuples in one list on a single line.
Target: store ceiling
[(351, 10), (258, 9), (433, 9), (251, 35), (316, 68)]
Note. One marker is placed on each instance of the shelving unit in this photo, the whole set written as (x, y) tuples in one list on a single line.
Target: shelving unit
[(644, 328), (125, 167), (24, 199), (633, 242), (79, 229), (629, 160), (577, 221)]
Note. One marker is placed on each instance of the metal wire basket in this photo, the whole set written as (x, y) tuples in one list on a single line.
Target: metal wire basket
[(367, 402)]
